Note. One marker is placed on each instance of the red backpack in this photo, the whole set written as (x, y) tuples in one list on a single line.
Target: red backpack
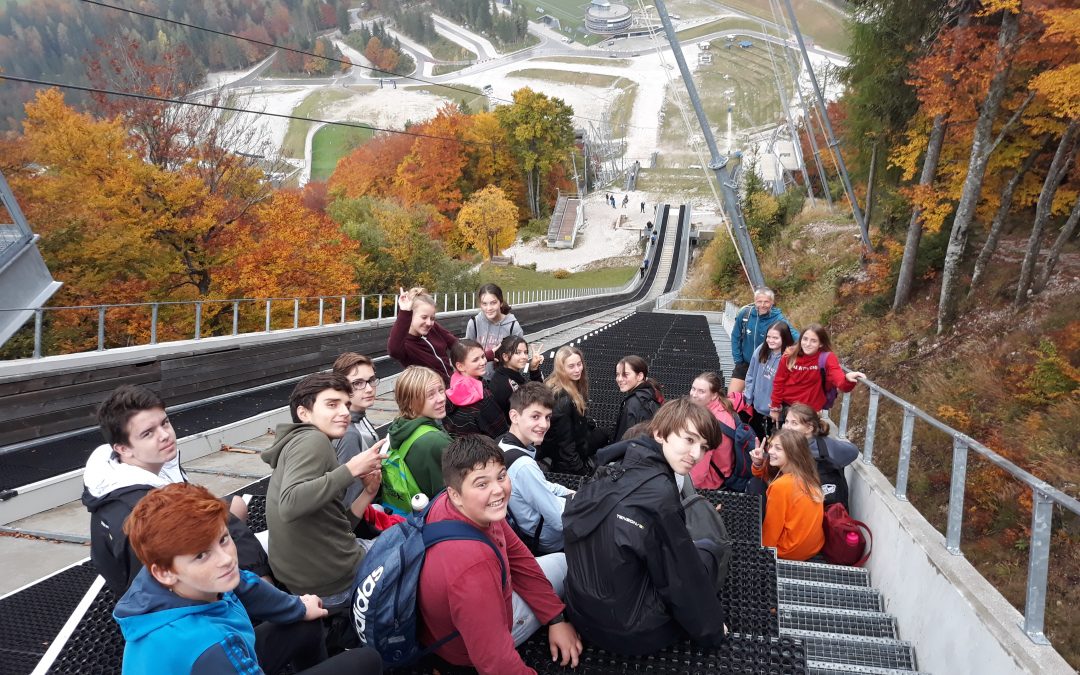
[(844, 541)]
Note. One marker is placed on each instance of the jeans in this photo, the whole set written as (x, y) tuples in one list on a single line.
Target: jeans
[(525, 622)]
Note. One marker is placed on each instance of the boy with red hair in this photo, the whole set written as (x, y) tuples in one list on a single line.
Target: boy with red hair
[(187, 610)]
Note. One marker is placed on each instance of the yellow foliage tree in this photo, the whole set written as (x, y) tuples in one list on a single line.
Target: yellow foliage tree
[(488, 221)]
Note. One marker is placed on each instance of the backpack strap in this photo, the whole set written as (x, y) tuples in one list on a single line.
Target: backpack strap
[(512, 455), (419, 431), (822, 359), (728, 431), (454, 530), (822, 448), (745, 311)]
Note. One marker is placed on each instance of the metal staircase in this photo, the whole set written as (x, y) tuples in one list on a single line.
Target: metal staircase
[(841, 620), (833, 609), (25, 281)]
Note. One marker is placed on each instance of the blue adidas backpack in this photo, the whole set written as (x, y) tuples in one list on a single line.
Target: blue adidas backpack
[(384, 612)]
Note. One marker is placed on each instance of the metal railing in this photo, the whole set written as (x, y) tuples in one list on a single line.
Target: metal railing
[(341, 309), (1044, 495), (674, 302)]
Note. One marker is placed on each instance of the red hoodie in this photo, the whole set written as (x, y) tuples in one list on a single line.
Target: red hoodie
[(461, 588), (802, 383), (421, 350)]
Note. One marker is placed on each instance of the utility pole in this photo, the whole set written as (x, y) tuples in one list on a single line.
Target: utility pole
[(796, 143), (864, 232), (721, 165)]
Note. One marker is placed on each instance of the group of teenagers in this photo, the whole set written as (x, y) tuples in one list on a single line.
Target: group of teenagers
[(479, 430)]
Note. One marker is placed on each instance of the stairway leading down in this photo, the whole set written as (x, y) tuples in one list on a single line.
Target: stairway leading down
[(841, 620)]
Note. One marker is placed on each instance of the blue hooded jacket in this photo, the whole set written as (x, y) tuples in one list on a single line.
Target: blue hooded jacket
[(166, 633), (750, 330)]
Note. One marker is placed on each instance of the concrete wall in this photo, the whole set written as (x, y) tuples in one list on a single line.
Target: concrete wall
[(957, 621)]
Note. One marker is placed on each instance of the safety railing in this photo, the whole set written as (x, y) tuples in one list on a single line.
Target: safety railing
[(241, 316), (672, 301), (1044, 495)]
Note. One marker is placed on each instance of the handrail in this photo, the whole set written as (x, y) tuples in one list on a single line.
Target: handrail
[(344, 304), (1044, 495)]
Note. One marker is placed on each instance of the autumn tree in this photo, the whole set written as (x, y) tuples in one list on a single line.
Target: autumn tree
[(488, 221), (284, 249), (541, 134), (1060, 87), (397, 245)]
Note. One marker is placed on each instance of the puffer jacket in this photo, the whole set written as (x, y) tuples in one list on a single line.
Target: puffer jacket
[(566, 445), (472, 409), (635, 578), (638, 405)]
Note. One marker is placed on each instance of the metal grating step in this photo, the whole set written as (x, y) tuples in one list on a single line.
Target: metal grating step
[(833, 596), (847, 622), (825, 574), (819, 668), (856, 651)]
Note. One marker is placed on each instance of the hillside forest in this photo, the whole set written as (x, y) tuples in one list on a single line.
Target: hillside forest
[(961, 122)]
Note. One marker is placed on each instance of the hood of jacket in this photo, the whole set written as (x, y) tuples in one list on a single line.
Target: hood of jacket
[(464, 390), (106, 477), (643, 392), (148, 606), (636, 461), (484, 324), (284, 434), (401, 428)]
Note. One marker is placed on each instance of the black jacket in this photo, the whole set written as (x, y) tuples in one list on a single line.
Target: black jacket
[(112, 555), (638, 405), (504, 382), (483, 417), (566, 445), (635, 578)]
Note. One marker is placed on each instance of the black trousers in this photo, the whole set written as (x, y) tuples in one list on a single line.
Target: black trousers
[(301, 644)]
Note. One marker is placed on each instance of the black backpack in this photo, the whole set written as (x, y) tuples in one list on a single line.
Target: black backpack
[(833, 482), (743, 440), (703, 521)]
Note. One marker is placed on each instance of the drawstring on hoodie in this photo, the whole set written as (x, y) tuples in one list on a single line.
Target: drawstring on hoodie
[(432, 348)]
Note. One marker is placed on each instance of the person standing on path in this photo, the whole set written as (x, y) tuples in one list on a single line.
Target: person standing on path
[(751, 325)]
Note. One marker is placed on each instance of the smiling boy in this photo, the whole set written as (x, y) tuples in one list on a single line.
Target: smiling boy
[(637, 581), (139, 454), (536, 505), (360, 435), (188, 609), (312, 546), (461, 586)]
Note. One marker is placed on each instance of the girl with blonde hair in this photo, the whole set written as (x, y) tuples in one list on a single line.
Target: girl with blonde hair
[(567, 445), (416, 339)]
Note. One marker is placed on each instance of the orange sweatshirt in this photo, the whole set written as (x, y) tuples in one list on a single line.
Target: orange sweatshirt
[(793, 521)]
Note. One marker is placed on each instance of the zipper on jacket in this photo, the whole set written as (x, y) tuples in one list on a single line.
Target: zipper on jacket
[(432, 348)]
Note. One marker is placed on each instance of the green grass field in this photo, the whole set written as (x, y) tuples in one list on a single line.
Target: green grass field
[(475, 99), (727, 23), (296, 135), (330, 144), (585, 61), (570, 77), (523, 279), (740, 78)]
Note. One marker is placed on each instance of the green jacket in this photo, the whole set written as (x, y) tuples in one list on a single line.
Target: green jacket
[(312, 546), (425, 456)]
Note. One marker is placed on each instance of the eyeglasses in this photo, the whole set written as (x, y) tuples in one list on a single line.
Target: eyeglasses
[(360, 383)]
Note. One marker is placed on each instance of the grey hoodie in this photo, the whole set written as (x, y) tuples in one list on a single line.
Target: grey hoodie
[(490, 335), (312, 546)]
